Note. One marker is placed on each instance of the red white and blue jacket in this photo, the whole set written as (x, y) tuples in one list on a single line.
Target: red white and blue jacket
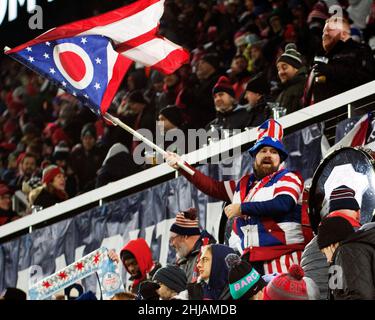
[(270, 225)]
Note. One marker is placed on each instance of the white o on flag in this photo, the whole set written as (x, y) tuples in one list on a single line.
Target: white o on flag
[(70, 69)]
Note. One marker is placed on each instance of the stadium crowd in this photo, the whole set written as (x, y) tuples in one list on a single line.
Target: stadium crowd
[(251, 61)]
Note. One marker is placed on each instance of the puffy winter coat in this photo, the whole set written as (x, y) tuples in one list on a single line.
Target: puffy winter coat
[(356, 256)]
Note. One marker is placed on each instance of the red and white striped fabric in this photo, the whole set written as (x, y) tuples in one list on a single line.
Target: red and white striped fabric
[(291, 185), (271, 128), (283, 263), (186, 223), (355, 137), (133, 31)]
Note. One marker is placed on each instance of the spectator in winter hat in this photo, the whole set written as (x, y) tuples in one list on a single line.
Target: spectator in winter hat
[(6, 212), (172, 127), (342, 203), (352, 255), (245, 283), (148, 290), (53, 189), (255, 94), (61, 157), (207, 66), (172, 280), (172, 117), (187, 239), (330, 232), (291, 286), (292, 74), (229, 114), (86, 158), (282, 189)]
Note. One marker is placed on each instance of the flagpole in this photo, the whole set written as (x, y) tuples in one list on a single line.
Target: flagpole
[(117, 121)]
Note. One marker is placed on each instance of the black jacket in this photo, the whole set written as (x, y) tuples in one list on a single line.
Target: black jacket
[(237, 118), (6, 216), (292, 92), (356, 256), (259, 113), (47, 199), (350, 65)]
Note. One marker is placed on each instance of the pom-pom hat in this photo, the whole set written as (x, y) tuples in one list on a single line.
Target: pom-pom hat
[(270, 133), (291, 286)]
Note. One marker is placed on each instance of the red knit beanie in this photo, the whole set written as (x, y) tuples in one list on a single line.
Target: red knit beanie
[(291, 286), (50, 173), (223, 85)]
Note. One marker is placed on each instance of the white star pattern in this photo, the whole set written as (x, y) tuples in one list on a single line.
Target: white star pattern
[(86, 96), (31, 59), (74, 93), (63, 83), (97, 86), (48, 43), (98, 61), (83, 40), (29, 49), (52, 70), (46, 55)]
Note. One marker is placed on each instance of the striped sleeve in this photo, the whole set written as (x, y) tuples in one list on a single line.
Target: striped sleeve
[(291, 185), (222, 190)]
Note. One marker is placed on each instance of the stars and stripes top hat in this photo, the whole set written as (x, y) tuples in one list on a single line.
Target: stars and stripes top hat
[(270, 133), (186, 223), (343, 197)]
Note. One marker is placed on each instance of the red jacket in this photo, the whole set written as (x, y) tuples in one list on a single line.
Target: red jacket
[(142, 253)]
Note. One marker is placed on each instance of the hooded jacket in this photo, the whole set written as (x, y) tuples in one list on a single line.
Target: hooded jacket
[(356, 256), (218, 281), (189, 263), (118, 164), (143, 255)]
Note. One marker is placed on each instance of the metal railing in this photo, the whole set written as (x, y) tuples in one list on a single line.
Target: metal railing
[(328, 109)]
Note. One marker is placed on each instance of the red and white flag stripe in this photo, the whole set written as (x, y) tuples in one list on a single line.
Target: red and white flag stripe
[(133, 30), (355, 137), (273, 130)]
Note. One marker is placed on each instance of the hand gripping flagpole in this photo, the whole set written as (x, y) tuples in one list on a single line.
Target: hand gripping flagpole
[(117, 121)]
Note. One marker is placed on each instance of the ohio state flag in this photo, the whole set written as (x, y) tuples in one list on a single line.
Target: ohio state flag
[(89, 58)]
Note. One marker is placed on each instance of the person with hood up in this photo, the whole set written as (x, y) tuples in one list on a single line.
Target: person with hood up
[(117, 164), (136, 256), (213, 272)]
